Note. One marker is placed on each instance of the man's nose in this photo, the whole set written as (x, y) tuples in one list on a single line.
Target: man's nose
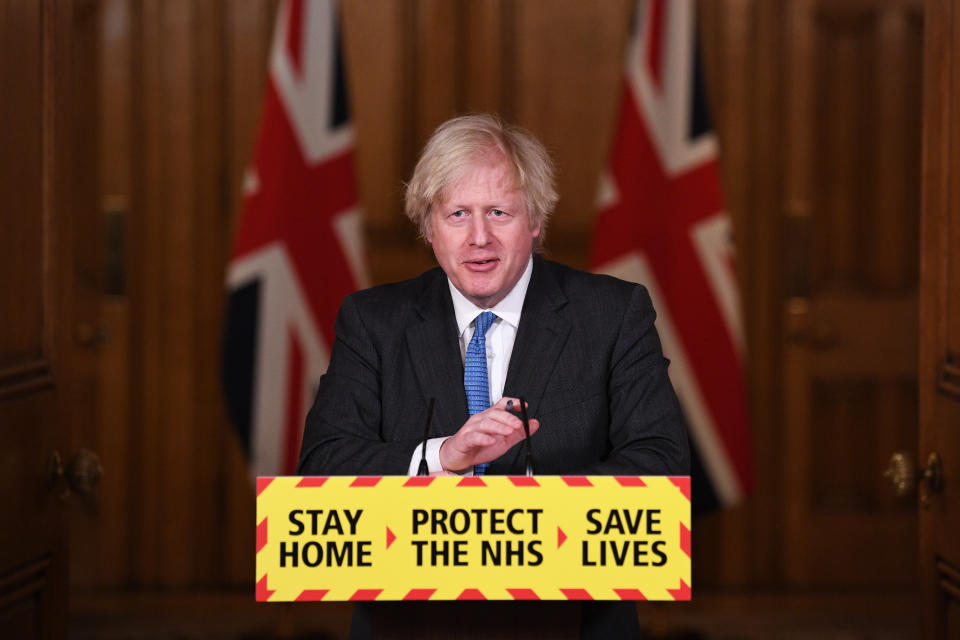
[(479, 231)]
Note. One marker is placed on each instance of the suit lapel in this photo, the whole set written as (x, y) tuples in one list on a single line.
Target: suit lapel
[(435, 354), (540, 337)]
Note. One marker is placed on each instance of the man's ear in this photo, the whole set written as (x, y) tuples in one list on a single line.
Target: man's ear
[(428, 228)]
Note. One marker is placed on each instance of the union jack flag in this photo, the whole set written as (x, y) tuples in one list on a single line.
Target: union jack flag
[(661, 222), (298, 249)]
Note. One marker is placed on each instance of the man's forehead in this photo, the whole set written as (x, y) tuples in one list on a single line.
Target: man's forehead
[(467, 174)]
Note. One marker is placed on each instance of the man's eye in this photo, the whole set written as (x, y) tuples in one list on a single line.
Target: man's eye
[(459, 213), (498, 213)]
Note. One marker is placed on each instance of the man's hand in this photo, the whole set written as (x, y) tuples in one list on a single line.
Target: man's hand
[(484, 437)]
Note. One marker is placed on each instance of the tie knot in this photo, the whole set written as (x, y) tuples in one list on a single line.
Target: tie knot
[(483, 322)]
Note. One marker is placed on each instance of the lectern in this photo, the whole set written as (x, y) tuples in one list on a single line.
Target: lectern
[(490, 557)]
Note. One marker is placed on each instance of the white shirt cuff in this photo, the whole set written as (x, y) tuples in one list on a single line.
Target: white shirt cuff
[(433, 458)]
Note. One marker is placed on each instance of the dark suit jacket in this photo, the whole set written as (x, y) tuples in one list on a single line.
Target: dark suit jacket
[(586, 358)]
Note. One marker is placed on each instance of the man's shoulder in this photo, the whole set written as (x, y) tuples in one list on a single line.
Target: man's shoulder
[(591, 285), (395, 297), (597, 303)]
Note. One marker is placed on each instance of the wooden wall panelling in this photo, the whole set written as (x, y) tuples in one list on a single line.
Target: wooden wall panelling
[(894, 263), (41, 189), (374, 42), (156, 312), (850, 355), (179, 202), (567, 50), (101, 544), (146, 312), (724, 540), (21, 241), (796, 211), (764, 293), (438, 66), (743, 46), (43, 425), (719, 52), (103, 548), (210, 226), (248, 32), (76, 281), (180, 291), (948, 358), (940, 321), (85, 225), (83, 318), (950, 349), (488, 43), (382, 63)]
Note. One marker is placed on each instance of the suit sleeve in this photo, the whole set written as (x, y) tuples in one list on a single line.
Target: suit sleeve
[(342, 435), (647, 433)]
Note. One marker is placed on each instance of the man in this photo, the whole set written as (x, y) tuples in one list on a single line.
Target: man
[(495, 322)]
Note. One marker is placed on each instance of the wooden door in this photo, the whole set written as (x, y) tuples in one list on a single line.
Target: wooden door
[(940, 325), (43, 182), (850, 321)]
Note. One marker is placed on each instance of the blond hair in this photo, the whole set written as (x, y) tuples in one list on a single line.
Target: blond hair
[(457, 143)]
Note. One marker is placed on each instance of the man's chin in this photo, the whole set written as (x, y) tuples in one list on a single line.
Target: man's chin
[(482, 297)]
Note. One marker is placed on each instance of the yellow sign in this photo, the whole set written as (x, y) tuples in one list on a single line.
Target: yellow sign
[(473, 538)]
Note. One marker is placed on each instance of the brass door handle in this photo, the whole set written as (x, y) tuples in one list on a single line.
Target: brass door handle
[(81, 476), (903, 473), (85, 471)]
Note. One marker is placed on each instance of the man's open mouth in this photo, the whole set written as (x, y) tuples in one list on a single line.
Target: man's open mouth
[(486, 264)]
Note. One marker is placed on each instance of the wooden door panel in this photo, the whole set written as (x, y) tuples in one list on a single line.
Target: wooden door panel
[(861, 336), (21, 190), (950, 279), (942, 433), (44, 190), (939, 390), (850, 359), (948, 602), (28, 600), (863, 102), (32, 558), (26, 381), (838, 485)]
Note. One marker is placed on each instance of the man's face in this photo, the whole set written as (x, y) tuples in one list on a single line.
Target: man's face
[(480, 231)]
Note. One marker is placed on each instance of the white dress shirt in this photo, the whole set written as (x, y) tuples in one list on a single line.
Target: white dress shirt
[(500, 338)]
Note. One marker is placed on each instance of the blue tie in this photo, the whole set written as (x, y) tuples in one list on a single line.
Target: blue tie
[(475, 373)]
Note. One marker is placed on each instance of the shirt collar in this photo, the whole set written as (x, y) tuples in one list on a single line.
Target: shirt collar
[(507, 309)]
